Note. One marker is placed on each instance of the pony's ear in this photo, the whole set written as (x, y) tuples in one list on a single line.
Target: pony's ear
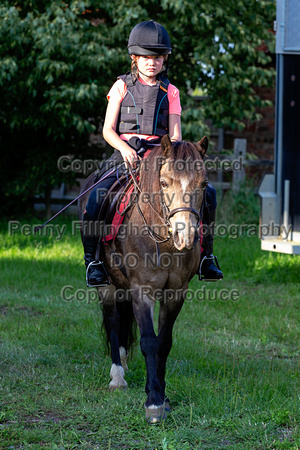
[(203, 145), (166, 145)]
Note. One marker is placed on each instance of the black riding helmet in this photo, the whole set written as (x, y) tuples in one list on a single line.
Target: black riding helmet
[(149, 38)]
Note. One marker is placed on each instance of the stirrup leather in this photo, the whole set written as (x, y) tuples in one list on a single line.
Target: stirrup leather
[(96, 263), (213, 258)]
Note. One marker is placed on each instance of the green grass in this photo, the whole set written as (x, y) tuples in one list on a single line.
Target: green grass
[(232, 375)]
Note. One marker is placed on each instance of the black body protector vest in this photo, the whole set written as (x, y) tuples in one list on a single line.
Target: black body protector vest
[(144, 109)]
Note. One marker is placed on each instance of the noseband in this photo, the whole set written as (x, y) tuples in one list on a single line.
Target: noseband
[(168, 214)]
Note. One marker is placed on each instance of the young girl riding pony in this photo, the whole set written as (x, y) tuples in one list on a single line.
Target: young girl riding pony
[(142, 105)]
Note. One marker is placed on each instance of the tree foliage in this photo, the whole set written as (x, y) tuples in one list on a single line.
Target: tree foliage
[(59, 59)]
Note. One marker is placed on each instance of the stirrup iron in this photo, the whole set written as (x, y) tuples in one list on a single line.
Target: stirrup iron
[(213, 258), (96, 263)]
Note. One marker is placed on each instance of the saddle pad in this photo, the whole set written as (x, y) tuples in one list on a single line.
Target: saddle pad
[(118, 216)]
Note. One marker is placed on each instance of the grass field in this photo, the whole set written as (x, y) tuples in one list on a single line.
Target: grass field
[(232, 375)]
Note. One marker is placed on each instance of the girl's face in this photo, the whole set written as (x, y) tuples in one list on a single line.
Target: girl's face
[(150, 66)]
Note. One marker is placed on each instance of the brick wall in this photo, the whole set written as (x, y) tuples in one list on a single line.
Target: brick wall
[(260, 134)]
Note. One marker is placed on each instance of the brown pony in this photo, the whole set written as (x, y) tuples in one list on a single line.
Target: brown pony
[(154, 260)]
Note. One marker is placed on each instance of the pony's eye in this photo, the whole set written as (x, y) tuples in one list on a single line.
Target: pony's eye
[(164, 184)]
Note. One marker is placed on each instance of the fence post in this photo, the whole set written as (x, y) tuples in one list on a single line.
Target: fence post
[(239, 172)]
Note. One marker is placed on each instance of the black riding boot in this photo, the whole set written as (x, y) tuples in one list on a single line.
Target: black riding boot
[(96, 274), (209, 269)]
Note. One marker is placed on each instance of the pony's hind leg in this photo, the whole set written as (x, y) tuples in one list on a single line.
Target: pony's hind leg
[(124, 356), (126, 336), (111, 321)]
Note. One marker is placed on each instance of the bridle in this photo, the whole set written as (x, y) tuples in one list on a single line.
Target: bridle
[(167, 214)]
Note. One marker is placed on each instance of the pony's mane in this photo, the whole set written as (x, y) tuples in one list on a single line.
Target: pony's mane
[(150, 168)]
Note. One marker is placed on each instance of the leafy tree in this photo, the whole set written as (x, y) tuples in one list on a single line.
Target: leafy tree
[(59, 59), (53, 80)]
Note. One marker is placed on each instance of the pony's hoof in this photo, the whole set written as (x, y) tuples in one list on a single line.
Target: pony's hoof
[(117, 375), (155, 414)]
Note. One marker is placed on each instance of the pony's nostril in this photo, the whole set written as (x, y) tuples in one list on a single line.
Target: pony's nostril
[(176, 236)]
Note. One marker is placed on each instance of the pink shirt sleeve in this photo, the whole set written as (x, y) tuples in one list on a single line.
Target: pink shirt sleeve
[(118, 92), (174, 100)]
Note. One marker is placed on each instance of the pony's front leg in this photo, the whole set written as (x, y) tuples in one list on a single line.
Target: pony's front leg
[(143, 307), (168, 313)]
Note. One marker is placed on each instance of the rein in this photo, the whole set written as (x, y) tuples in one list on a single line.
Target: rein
[(39, 227), (158, 239)]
